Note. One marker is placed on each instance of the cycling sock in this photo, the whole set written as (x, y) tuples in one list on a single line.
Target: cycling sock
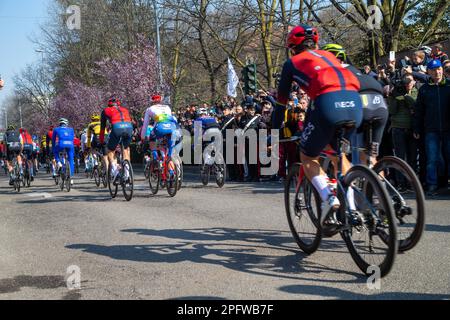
[(351, 199), (321, 185)]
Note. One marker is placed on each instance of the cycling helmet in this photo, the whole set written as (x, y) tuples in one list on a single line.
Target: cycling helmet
[(63, 122), (113, 102), (11, 128), (426, 49), (202, 111), (300, 34), (337, 50), (156, 98), (95, 118)]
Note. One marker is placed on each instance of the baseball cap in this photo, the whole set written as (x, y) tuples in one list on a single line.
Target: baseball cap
[(434, 64)]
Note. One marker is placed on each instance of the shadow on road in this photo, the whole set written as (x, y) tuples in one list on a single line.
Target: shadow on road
[(260, 252), (330, 292)]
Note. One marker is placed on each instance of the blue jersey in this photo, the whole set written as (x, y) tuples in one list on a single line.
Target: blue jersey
[(208, 122), (63, 137)]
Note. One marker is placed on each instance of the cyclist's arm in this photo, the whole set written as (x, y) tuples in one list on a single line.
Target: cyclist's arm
[(89, 136), (104, 119), (284, 89), (145, 124), (54, 141)]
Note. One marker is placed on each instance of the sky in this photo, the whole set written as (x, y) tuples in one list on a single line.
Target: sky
[(19, 21)]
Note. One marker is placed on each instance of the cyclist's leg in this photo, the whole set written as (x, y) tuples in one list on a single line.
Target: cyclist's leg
[(374, 108), (319, 132), (70, 153)]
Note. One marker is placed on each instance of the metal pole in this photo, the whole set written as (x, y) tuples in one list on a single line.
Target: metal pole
[(20, 112), (158, 45)]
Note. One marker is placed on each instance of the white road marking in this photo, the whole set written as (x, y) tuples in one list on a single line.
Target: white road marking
[(39, 195)]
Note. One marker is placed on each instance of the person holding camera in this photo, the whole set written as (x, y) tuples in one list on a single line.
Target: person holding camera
[(432, 122), (401, 110)]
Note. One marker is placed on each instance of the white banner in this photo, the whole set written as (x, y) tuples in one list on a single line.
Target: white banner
[(233, 80)]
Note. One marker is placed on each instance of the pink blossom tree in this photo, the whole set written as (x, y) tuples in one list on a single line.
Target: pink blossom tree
[(134, 77)]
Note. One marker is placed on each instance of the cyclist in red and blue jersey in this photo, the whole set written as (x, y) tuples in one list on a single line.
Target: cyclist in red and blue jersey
[(334, 91), (122, 129)]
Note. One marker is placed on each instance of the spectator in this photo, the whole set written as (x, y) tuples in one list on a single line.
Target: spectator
[(431, 121), (303, 104), (401, 109), (447, 69), (438, 54), (368, 70), (2, 83)]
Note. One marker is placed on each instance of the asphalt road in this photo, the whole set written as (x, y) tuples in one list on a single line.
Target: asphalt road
[(206, 243)]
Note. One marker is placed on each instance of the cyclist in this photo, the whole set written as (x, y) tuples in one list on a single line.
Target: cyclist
[(122, 128), (334, 91), (374, 106), (14, 147), (36, 152), (50, 154), (93, 136), (211, 129), (163, 124), (63, 139), (28, 150)]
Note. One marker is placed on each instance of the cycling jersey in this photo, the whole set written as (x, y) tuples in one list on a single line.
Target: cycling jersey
[(14, 144), (63, 139), (317, 72), (334, 91), (115, 115), (93, 134), (154, 114)]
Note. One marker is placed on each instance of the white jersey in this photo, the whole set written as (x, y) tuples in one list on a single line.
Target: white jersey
[(152, 114)]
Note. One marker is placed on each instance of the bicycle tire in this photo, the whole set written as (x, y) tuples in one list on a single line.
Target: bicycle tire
[(113, 188), (128, 195), (104, 174), (172, 184), (223, 171), (68, 176), (397, 163), (96, 174), (205, 172), (154, 178), (179, 165), (308, 191), (370, 176)]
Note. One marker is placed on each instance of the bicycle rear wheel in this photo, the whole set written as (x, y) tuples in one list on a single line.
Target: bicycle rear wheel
[(204, 173), (409, 206), (372, 234), (172, 183), (104, 174), (68, 176), (220, 171), (127, 180), (302, 204), (155, 177)]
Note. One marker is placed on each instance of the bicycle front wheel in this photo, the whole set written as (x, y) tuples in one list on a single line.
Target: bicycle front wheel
[(302, 203), (96, 174), (408, 199), (372, 234), (127, 180), (113, 187)]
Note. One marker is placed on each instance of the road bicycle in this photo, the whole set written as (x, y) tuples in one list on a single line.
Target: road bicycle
[(125, 176), (161, 174), (404, 188), (17, 174), (27, 172), (213, 164), (369, 232), (64, 174), (99, 172)]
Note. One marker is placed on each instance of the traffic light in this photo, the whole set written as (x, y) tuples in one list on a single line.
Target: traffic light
[(250, 80)]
